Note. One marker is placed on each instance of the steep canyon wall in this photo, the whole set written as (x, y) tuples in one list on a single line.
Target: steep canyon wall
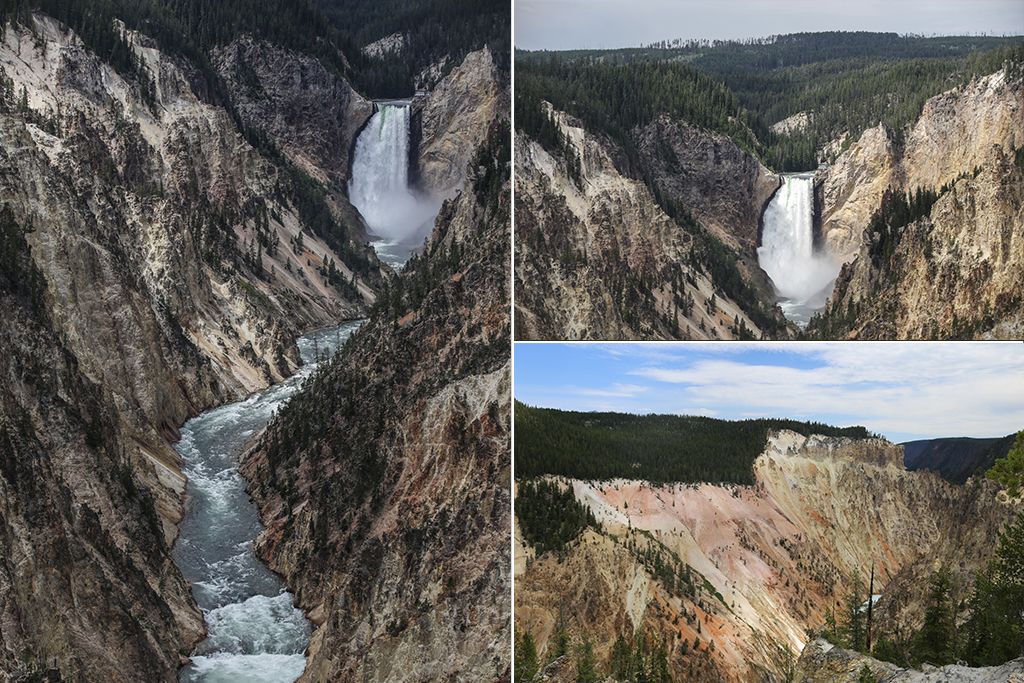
[(597, 258), (774, 556), (173, 271)]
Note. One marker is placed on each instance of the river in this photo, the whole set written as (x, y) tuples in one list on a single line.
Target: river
[(255, 634)]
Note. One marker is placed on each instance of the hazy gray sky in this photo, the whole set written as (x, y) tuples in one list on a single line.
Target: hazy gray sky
[(567, 24)]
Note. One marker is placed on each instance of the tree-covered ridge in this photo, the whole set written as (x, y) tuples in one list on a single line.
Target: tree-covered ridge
[(332, 31), (849, 82), (433, 31), (780, 51), (655, 448), (616, 99)]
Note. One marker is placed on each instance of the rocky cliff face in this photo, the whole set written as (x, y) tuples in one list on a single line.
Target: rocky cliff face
[(850, 190), (954, 135), (707, 174), (957, 272), (176, 272), (822, 662), (597, 258), (88, 588), (385, 485), (773, 556), (452, 121), (311, 115)]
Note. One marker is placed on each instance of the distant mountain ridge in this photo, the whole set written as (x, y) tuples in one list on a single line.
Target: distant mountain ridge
[(955, 459)]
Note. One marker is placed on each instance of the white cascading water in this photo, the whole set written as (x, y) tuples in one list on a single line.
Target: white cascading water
[(255, 634), (803, 278), (379, 187)]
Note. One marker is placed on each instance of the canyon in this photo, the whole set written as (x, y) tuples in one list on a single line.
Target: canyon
[(385, 488), (616, 244), (957, 272), (598, 258), (170, 262), (767, 561)]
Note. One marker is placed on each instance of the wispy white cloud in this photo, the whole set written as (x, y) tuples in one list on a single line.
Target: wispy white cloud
[(623, 390), (905, 390)]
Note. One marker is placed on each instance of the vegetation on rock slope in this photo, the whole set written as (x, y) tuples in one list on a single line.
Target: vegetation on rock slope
[(349, 452), (848, 81)]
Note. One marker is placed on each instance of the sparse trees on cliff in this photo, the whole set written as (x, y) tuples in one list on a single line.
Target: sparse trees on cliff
[(586, 663), (995, 628), (853, 611), (526, 662), (1009, 470)]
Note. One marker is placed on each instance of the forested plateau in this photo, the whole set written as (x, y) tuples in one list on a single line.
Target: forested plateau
[(642, 177), (689, 580), (173, 214)]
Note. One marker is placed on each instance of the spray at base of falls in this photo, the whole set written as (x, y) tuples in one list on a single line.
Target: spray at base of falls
[(255, 634), (379, 187), (802, 277)]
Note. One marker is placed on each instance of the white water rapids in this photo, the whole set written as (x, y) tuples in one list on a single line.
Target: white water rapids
[(379, 187), (802, 277), (255, 635)]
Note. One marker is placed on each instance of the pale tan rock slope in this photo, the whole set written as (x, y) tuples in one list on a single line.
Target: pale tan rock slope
[(597, 259), (954, 135), (452, 121), (774, 556), (960, 271)]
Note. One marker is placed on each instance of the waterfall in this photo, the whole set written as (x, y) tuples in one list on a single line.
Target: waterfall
[(802, 277), (379, 187)]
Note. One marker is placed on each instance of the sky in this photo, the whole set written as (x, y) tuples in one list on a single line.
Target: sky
[(595, 24), (903, 391)]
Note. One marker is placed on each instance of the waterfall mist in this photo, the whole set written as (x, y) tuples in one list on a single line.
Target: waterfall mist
[(802, 277), (379, 187)]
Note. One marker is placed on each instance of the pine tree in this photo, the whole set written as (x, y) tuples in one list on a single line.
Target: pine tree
[(934, 640), (1008, 470), (995, 627), (526, 662), (853, 629)]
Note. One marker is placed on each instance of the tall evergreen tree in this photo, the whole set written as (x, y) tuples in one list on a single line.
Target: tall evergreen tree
[(934, 640), (995, 627), (853, 612)]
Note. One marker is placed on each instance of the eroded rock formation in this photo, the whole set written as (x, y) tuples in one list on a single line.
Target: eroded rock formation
[(385, 487), (957, 272), (174, 272), (597, 258), (452, 121), (771, 558), (718, 183)]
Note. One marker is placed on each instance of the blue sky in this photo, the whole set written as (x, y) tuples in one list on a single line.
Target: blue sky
[(567, 24), (903, 391)]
